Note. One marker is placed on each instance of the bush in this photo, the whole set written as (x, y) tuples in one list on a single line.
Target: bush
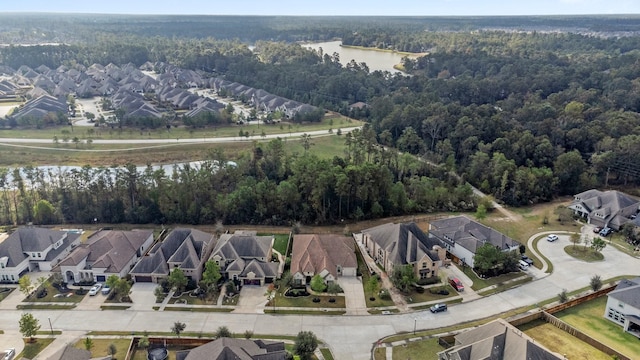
[(384, 294), (562, 296), (429, 280)]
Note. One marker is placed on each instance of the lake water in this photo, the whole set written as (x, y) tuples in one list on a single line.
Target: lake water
[(376, 60)]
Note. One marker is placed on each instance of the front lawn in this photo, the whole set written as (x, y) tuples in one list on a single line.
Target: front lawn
[(307, 301), (101, 346), (187, 297), (415, 297), (54, 295), (583, 253), (561, 342), (480, 283), (32, 349), (4, 292), (589, 318), (424, 349), (368, 295)]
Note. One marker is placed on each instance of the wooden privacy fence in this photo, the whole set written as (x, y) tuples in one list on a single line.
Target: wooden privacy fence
[(582, 336), (580, 300)]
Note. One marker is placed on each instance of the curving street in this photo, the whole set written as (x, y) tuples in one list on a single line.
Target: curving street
[(348, 336)]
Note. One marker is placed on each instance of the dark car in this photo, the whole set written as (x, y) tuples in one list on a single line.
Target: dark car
[(438, 308), (526, 259), (606, 231)]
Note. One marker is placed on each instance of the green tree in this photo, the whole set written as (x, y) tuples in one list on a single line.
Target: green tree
[(143, 343), (210, 277), (25, 285), (598, 244), (481, 212), (305, 344), (403, 276), (487, 259), (88, 343), (595, 283), (563, 296), (44, 213), (223, 332), (317, 284), (112, 350), (29, 326), (178, 327), (178, 280)]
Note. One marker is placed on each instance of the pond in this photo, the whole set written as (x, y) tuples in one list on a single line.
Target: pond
[(375, 60)]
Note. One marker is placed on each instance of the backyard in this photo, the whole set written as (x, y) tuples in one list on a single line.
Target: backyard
[(425, 350), (589, 318), (561, 342), (101, 347)]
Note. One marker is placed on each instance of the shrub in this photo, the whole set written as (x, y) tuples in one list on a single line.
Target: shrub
[(384, 294), (429, 280), (562, 296)]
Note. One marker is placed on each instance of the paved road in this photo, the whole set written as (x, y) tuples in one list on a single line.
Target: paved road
[(350, 337)]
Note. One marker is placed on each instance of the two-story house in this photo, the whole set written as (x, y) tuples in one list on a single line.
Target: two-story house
[(605, 208), (403, 244), (461, 237), (33, 249), (105, 253), (623, 305)]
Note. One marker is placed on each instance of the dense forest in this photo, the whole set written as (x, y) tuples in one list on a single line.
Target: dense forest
[(267, 187), (523, 115)]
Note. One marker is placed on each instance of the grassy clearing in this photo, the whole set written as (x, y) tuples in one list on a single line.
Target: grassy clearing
[(480, 283), (98, 155), (583, 253), (589, 318), (505, 286), (101, 346), (426, 350), (32, 349), (561, 342)]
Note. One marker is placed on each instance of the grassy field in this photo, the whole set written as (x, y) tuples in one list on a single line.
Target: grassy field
[(424, 350), (589, 318), (101, 346), (141, 154), (583, 253), (561, 342)]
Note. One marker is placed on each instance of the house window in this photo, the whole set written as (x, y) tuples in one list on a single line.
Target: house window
[(424, 265)]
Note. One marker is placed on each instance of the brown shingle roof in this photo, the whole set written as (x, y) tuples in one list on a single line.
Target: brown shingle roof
[(315, 253)]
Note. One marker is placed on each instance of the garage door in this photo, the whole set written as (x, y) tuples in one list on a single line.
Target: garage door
[(101, 278), (143, 278), (252, 281)]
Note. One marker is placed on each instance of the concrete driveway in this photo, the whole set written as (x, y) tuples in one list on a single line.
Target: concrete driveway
[(143, 297), (252, 300), (354, 295)]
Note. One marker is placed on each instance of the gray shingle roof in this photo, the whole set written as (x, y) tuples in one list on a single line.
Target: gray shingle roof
[(236, 349), (406, 243), (628, 292), (33, 239), (469, 234)]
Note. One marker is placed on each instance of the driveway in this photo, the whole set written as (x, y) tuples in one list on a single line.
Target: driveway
[(252, 300), (143, 297), (354, 295)]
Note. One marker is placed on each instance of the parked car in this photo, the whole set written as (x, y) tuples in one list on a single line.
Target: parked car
[(386, 312), (456, 283), (523, 265), (605, 231), (95, 289), (105, 290), (9, 354), (597, 229), (526, 259), (552, 237), (438, 308)]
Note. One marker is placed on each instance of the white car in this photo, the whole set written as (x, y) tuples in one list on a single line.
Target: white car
[(9, 354), (552, 238), (95, 289)]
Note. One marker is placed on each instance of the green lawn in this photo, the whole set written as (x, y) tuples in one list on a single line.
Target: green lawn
[(187, 298), (362, 269), (32, 349), (424, 350), (561, 342), (589, 318), (583, 253), (280, 243), (415, 297), (307, 301), (4, 292), (479, 283), (51, 296), (100, 347)]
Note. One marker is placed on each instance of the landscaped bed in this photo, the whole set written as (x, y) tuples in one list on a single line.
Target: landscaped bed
[(322, 301), (190, 298)]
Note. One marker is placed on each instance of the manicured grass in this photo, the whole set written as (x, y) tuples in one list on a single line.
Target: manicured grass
[(51, 293), (280, 243), (561, 342), (32, 349), (45, 307), (589, 318), (304, 312), (191, 309), (48, 332), (619, 242), (326, 353), (101, 346), (479, 283), (415, 297), (4, 292), (307, 301), (187, 298), (362, 269), (425, 349), (505, 286), (114, 307), (583, 253)]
